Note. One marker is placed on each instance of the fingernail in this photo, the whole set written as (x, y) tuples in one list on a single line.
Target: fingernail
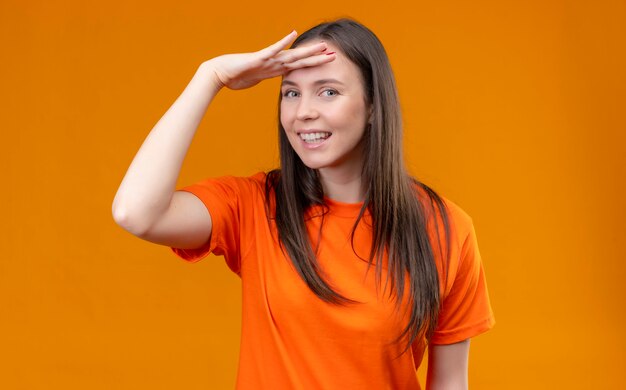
[(325, 49)]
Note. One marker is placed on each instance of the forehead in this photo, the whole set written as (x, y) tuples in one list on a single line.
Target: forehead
[(341, 69)]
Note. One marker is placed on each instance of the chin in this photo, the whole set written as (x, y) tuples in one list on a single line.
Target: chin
[(313, 164)]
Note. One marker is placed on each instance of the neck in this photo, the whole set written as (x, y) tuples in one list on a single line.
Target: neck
[(343, 185)]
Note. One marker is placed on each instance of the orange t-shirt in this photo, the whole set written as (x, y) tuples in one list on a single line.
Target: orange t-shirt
[(291, 339)]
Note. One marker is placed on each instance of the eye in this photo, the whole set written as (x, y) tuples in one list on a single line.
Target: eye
[(290, 93), (329, 92)]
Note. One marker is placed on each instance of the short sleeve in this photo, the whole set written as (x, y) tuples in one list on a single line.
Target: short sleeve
[(225, 199), (466, 310)]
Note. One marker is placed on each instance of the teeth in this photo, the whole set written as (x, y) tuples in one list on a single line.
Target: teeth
[(314, 137)]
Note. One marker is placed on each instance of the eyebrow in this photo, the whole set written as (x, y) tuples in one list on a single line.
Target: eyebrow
[(318, 82)]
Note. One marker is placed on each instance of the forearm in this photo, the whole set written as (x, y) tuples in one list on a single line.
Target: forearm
[(147, 188)]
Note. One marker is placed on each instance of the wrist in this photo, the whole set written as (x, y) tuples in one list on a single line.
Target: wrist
[(206, 71)]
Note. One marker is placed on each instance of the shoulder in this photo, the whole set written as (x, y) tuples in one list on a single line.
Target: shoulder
[(255, 180), (439, 211), (231, 183), (229, 190), (460, 220)]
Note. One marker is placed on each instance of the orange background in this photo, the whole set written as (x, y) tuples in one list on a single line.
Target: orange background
[(514, 110)]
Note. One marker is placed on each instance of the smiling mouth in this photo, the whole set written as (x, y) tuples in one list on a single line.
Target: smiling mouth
[(312, 138)]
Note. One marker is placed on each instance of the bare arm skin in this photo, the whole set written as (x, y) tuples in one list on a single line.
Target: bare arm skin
[(447, 366), (146, 203)]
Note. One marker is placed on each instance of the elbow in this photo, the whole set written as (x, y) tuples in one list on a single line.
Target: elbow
[(129, 221)]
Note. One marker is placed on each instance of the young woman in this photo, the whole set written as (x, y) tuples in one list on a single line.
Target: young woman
[(349, 266)]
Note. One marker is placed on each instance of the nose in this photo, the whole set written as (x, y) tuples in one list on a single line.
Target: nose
[(306, 109)]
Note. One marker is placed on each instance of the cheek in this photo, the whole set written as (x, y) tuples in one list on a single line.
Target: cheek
[(286, 121), (353, 115), (285, 116)]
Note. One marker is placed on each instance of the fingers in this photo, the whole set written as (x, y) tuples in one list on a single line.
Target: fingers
[(275, 48), (310, 61), (306, 56), (299, 53), (276, 60)]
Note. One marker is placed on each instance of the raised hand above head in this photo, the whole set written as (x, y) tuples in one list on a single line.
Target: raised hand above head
[(244, 70), (146, 204)]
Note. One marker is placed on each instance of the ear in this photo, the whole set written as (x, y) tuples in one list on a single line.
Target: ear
[(370, 113)]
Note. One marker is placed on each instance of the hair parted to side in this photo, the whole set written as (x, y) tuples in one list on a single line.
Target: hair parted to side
[(398, 216)]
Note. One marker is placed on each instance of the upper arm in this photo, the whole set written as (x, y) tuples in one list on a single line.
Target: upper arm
[(465, 309), (186, 223), (447, 366)]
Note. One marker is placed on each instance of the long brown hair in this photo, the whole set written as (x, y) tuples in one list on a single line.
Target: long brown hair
[(398, 217)]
